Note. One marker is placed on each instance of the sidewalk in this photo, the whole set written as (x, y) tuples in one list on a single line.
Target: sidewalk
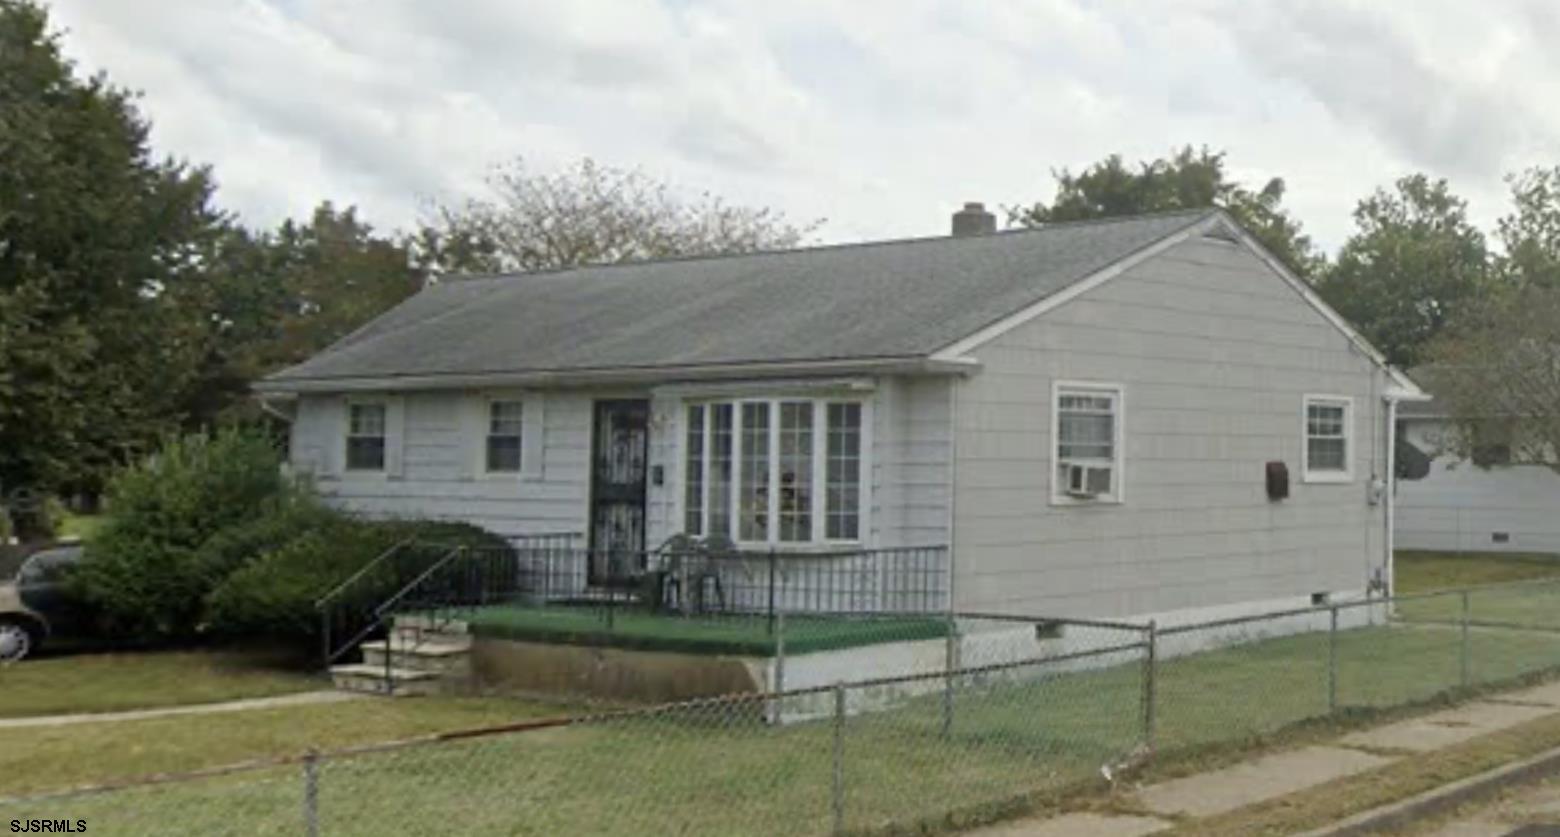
[(1181, 803), (300, 699)]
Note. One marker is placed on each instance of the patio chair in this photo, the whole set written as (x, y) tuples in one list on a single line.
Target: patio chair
[(707, 575), (666, 591), (687, 574)]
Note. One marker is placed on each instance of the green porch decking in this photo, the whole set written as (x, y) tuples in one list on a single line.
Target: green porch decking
[(703, 634)]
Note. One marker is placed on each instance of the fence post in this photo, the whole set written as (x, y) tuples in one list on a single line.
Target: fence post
[(1150, 672), (1465, 646), (1332, 661), (779, 684), (772, 591), (311, 793), (389, 645), (838, 793), (950, 664), (325, 634)]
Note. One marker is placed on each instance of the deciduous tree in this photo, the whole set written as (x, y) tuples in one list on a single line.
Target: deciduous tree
[(98, 242), (1189, 178), (589, 214), (1413, 259)]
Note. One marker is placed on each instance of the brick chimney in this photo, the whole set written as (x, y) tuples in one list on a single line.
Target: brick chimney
[(973, 219)]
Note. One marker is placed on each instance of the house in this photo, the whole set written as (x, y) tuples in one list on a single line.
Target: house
[(1144, 416), (1489, 500)]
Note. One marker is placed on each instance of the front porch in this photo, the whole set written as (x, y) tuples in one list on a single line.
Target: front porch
[(544, 614), (641, 628)]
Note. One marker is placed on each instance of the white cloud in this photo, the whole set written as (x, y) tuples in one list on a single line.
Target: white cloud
[(881, 116)]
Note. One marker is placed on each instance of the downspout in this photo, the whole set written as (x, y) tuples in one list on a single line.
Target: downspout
[(271, 409), (1391, 491), (953, 481)]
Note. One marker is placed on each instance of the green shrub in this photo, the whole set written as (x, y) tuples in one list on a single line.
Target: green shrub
[(279, 522), (145, 569), (275, 595)]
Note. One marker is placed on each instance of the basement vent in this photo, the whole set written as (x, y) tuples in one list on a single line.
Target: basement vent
[(1500, 537)]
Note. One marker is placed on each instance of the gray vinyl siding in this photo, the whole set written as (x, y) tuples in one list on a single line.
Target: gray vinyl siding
[(1214, 352), (1459, 506), (912, 462), (441, 448)]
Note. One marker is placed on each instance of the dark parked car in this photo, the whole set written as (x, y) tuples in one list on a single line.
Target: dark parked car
[(37, 606)]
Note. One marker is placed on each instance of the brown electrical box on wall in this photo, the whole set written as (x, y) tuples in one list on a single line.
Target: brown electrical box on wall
[(1277, 480)]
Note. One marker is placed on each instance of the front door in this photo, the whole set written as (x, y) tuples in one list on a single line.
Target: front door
[(620, 448)]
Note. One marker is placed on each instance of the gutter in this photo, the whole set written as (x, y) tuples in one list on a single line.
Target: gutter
[(268, 407), (614, 375), (1393, 397)]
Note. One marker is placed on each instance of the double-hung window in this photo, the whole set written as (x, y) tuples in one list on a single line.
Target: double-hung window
[(366, 436), (1328, 420), (778, 471), (1088, 443), (503, 437)]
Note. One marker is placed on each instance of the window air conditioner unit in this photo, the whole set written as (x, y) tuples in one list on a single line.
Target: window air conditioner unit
[(1087, 482)]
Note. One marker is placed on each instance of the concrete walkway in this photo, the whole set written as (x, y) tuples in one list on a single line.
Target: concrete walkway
[(300, 699), (1271, 776)]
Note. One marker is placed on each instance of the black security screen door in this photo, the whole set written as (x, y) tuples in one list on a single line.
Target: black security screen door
[(620, 447)]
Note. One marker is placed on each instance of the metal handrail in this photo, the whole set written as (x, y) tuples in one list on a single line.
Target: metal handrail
[(385, 606), (335, 592)]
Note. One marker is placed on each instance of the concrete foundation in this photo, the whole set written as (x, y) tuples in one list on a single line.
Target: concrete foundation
[(611, 673)]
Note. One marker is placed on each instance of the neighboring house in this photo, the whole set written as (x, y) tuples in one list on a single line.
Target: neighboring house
[(1086, 412), (1491, 501)]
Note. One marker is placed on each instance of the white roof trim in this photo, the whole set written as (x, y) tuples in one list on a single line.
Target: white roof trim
[(619, 376), (765, 386), (1407, 389), (958, 350)]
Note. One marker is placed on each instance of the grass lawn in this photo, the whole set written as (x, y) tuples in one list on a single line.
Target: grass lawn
[(708, 635), (1419, 572), (1495, 600), (81, 526), (716, 769), (142, 680), (41, 758)]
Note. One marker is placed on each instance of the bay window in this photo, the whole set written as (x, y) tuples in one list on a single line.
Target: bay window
[(843, 484), (778, 471)]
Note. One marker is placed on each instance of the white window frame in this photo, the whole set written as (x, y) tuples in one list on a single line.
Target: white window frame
[(384, 434), (1323, 477), (820, 406), (487, 433), (1118, 463)]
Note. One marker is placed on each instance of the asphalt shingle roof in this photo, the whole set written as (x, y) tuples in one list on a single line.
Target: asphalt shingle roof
[(893, 299)]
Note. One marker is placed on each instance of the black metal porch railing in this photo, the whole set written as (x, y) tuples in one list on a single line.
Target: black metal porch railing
[(350, 612), (754, 584)]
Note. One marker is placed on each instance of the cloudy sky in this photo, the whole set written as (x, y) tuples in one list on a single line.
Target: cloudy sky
[(879, 117)]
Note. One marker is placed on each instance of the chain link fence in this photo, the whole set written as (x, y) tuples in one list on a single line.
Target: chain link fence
[(983, 718)]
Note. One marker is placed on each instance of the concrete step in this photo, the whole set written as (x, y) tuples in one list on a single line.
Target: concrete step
[(372, 680), (438, 656), (431, 626), (422, 642)]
